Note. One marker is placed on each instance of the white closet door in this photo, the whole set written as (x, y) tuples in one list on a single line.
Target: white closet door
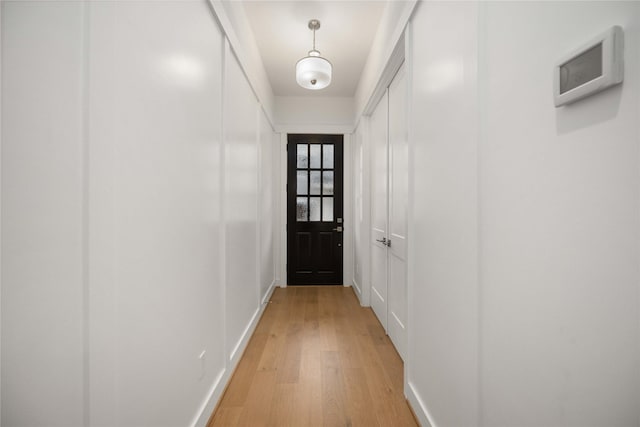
[(398, 213), (380, 209)]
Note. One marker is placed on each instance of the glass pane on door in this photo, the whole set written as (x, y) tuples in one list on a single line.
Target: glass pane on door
[(327, 183), (315, 182), (314, 208), (301, 186), (327, 156), (327, 209), (302, 209), (303, 156), (315, 156)]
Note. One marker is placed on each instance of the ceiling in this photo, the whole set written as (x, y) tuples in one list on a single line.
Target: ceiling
[(345, 37)]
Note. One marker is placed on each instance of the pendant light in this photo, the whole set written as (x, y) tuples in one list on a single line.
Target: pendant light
[(313, 71)]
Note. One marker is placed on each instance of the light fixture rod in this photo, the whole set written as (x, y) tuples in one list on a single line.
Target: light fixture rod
[(314, 24)]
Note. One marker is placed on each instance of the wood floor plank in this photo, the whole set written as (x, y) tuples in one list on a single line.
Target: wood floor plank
[(309, 402), (257, 407), (317, 358), (289, 368), (243, 377), (276, 333), (284, 411), (346, 343), (334, 410), (358, 398), (311, 363), (227, 416)]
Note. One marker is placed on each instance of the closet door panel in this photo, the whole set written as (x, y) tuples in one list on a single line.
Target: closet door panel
[(398, 203), (379, 209)]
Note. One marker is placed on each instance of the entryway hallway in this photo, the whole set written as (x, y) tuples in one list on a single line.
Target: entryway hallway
[(316, 358)]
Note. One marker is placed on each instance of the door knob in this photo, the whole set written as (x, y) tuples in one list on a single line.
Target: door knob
[(338, 229)]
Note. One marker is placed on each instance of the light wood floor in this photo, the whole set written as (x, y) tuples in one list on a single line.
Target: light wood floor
[(316, 359)]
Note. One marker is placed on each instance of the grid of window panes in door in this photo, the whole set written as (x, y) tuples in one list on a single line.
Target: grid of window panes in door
[(314, 184)]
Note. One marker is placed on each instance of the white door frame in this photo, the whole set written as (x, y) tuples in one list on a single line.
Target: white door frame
[(281, 231)]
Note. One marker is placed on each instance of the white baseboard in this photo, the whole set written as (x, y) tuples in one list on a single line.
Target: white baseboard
[(208, 405), (235, 354), (267, 295), (419, 408), (358, 290), (220, 383)]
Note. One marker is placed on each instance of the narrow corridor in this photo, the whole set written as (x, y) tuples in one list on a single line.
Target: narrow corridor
[(316, 358)]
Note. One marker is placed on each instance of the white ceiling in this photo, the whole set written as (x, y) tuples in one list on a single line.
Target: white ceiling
[(344, 38)]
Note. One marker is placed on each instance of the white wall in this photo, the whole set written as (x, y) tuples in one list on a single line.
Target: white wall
[(524, 277), (134, 245), (560, 224), (268, 144), (42, 214), (241, 194), (443, 296), (155, 143), (312, 114), (356, 170), (361, 212), (347, 212), (281, 166)]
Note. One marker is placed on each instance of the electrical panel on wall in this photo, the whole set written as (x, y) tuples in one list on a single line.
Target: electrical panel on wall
[(593, 67)]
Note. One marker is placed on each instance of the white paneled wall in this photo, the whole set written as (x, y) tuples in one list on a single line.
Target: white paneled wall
[(241, 202), (560, 209), (268, 145), (443, 337), (158, 226), (361, 212), (134, 253), (524, 278), (43, 180)]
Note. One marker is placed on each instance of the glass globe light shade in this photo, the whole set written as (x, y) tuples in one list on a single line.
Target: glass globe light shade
[(313, 72)]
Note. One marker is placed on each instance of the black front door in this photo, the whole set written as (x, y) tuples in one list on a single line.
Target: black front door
[(314, 210)]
